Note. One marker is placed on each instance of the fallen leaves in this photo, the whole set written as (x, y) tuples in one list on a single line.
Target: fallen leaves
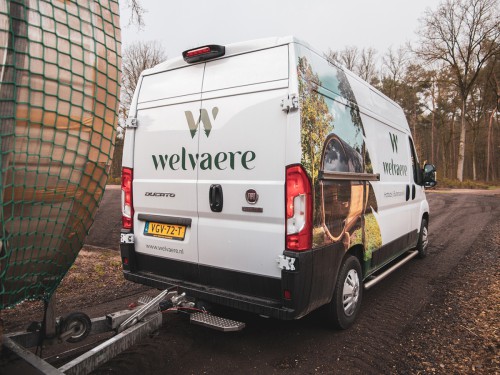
[(458, 331)]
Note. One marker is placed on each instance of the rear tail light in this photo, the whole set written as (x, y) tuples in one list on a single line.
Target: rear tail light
[(298, 209), (127, 206), (203, 53), (287, 294)]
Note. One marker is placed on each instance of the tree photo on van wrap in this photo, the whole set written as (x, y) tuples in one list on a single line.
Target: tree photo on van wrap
[(317, 121), (332, 133)]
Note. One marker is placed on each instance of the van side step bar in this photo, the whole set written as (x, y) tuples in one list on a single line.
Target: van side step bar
[(182, 303), (216, 322), (376, 279)]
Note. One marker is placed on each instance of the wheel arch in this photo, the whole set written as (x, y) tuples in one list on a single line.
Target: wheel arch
[(336, 310), (356, 251), (424, 211), (426, 217)]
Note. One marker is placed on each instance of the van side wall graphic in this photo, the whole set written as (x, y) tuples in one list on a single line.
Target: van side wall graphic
[(333, 141)]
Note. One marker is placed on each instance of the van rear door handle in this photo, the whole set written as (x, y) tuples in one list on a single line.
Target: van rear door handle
[(215, 198), (407, 192), (413, 192)]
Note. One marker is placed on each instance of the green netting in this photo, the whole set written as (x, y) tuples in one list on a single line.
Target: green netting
[(59, 88)]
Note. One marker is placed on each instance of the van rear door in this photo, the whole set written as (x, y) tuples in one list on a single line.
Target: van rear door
[(166, 165), (209, 165), (241, 176)]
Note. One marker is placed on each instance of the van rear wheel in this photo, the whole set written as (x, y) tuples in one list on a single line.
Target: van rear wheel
[(346, 302)]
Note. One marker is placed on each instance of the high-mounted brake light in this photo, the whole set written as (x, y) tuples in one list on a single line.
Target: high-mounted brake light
[(203, 53), (127, 206), (298, 209), (199, 51)]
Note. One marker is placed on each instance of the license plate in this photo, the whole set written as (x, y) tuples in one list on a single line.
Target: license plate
[(168, 231)]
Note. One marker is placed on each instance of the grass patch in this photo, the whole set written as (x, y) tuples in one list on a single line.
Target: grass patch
[(467, 184)]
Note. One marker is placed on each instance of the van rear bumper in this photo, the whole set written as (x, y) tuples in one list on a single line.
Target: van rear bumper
[(310, 284), (238, 301)]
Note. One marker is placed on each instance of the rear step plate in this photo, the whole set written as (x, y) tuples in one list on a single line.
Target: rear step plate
[(216, 322)]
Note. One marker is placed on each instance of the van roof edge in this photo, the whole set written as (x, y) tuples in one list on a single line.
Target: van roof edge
[(231, 50)]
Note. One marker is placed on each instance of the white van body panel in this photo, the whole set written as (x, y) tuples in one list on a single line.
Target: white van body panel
[(172, 83), (266, 65), (161, 139), (393, 214), (234, 239)]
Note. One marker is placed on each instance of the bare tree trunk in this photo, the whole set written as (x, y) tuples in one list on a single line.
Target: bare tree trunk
[(461, 146), (453, 149), (474, 177), (416, 137), (443, 151), (494, 160), (437, 153), (488, 145), (433, 123), (432, 135)]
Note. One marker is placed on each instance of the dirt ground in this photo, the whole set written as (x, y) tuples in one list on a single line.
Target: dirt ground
[(453, 330), (459, 330), (94, 279)]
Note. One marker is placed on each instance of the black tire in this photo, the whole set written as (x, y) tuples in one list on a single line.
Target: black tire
[(77, 322), (423, 239), (342, 310)]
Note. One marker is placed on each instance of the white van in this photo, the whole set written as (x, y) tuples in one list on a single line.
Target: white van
[(260, 176)]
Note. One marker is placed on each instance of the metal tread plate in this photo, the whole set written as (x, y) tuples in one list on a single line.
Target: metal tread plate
[(144, 300), (216, 322)]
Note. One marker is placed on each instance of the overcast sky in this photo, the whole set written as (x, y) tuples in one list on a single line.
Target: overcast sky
[(183, 24)]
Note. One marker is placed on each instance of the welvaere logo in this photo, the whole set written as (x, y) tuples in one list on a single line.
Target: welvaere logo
[(185, 160), (392, 168), (394, 142), (204, 118)]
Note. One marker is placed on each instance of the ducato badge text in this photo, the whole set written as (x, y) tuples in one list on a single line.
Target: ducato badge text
[(155, 194)]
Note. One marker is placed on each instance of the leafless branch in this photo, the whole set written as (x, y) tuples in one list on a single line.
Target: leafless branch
[(136, 58), (137, 13)]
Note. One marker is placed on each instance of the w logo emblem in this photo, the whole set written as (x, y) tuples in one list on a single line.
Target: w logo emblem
[(394, 142), (204, 118)]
